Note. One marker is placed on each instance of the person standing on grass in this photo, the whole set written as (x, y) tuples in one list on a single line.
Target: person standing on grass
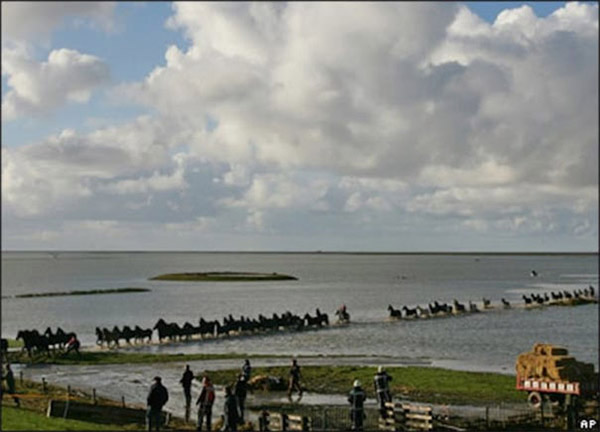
[(382, 389), (240, 391), (357, 411), (10, 384), (157, 398), (186, 383), (294, 381), (205, 402), (230, 411), (247, 370)]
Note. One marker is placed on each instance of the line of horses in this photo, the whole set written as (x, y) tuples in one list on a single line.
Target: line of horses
[(211, 329), (436, 309), (37, 342), (560, 297)]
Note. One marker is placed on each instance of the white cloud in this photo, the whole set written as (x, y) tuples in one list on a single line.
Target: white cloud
[(38, 88), (36, 20), (292, 115), (71, 167)]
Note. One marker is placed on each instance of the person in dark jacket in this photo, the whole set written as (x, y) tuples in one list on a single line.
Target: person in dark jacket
[(10, 384), (230, 410), (294, 381), (186, 383), (240, 391), (247, 370), (357, 411), (382, 389), (157, 398), (205, 402)]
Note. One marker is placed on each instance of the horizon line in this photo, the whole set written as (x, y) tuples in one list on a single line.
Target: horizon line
[(316, 251)]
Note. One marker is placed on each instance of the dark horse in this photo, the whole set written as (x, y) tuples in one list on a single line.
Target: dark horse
[(394, 313), (33, 340), (60, 338), (317, 320), (324, 319), (110, 336), (141, 333), (171, 330)]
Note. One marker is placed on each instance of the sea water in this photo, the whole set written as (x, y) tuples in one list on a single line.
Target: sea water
[(365, 283)]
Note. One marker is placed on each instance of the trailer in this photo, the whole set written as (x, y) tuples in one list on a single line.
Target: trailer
[(556, 391)]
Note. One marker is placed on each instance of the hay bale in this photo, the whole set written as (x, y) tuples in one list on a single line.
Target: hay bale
[(549, 350), (525, 365), (267, 383)]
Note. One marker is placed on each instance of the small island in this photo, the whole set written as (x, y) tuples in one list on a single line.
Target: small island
[(81, 292), (223, 277)]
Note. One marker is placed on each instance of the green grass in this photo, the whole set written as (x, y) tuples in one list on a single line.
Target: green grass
[(81, 292), (24, 419), (12, 343), (223, 277), (432, 385), (116, 357)]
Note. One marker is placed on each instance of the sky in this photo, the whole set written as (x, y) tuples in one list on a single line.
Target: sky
[(302, 126)]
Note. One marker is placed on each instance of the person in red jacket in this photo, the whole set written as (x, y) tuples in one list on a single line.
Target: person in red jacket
[(205, 402)]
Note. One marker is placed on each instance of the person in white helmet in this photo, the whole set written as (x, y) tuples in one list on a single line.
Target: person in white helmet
[(357, 411), (382, 389)]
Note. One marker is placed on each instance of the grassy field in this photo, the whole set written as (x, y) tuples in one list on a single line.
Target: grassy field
[(82, 292), (116, 357), (24, 419), (34, 402), (223, 277), (432, 385)]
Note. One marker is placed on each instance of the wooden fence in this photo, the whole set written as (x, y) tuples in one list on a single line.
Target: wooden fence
[(283, 422), (99, 413), (406, 417)]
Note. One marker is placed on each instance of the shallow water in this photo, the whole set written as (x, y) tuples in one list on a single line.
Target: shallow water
[(365, 283)]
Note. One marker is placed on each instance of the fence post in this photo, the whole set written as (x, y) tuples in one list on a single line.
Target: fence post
[(123, 401), (94, 396), (21, 377), (44, 388), (67, 402)]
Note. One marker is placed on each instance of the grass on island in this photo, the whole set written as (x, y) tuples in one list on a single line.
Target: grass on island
[(223, 277), (81, 292), (433, 385), (117, 357)]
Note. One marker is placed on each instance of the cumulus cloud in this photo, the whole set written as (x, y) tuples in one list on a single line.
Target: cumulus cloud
[(70, 167), (35, 20), (38, 88), (283, 117)]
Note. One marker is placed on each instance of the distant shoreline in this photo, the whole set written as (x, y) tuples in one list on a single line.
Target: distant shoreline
[(82, 292)]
